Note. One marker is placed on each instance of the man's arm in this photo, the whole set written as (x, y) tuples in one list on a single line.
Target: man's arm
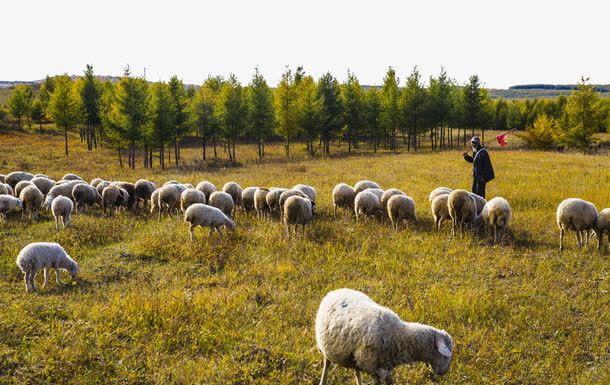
[(467, 157)]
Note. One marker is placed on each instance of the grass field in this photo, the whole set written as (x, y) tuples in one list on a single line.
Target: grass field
[(150, 307)]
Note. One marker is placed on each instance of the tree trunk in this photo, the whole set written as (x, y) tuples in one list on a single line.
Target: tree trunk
[(66, 139), (176, 156), (120, 158), (162, 156), (146, 154), (215, 153), (203, 146), (234, 150)]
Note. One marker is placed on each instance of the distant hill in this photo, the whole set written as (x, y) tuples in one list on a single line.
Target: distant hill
[(531, 91)]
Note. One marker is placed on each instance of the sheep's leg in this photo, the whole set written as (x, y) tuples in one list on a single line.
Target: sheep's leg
[(57, 276), (358, 375), (579, 239), (66, 220), (325, 371), (335, 210), (303, 231), (33, 280), (192, 232), (219, 232), (23, 211), (453, 226), (46, 278), (588, 236), (211, 232), (495, 234), (57, 223), (26, 278)]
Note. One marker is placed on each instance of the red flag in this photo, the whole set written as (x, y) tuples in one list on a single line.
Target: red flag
[(500, 139)]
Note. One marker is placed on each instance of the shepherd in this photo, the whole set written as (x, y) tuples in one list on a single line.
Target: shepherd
[(482, 170)]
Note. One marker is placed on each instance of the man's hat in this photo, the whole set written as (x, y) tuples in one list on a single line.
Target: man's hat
[(475, 139)]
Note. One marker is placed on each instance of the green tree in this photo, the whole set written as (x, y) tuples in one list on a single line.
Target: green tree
[(90, 93), (583, 120), (162, 116), (44, 94), (37, 112), (65, 106), (500, 114), (261, 111), (390, 111), (231, 110), (331, 111), (20, 104), (441, 108), (202, 112), (352, 99), (372, 109), (472, 104), (413, 104), (513, 118), (544, 134), (110, 129), (285, 98), (309, 111), (180, 99)]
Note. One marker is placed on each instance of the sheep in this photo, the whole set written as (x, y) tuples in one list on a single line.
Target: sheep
[(41, 176), (64, 189), (297, 211), (2, 176), (287, 194), (170, 182), (496, 215), (96, 181), (62, 207), (260, 202), (110, 196), (440, 210), (44, 184), (439, 191), (86, 195), (234, 190), (31, 199), (399, 208), (364, 184), (462, 209), (366, 203), (207, 188), (202, 215), (21, 185), (308, 190), (17, 176), (480, 201), (191, 196), (101, 186), (131, 190), (143, 190), (378, 193), (603, 227), (169, 199), (273, 199), (385, 197), (355, 332), (44, 256), (3, 189), (123, 199), (247, 198), (343, 197), (7, 204), (577, 215), (222, 201), (154, 201), (9, 189), (71, 177)]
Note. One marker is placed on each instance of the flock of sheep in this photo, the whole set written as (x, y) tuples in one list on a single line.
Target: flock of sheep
[(351, 330)]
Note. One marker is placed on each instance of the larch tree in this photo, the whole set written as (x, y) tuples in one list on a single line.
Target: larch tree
[(583, 116), (331, 111), (413, 104), (231, 110), (180, 100), (441, 108), (162, 115), (65, 106), (285, 99), (201, 110), (309, 112), (372, 104), (390, 111), (261, 111), (352, 98), (20, 103), (90, 93)]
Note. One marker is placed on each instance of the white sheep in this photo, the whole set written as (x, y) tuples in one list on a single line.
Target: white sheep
[(297, 211), (202, 215), (101, 186), (170, 182), (440, 210), (387, 194), (96, 181), (9, 189), (343, 197), (85, 195), (308, 190), (124, 199), (401, 208), (2, 176), (44, 256), (287, 194), (496, 216), (31, 199), (191, 196), (378, 193), (207, 188), (603, 227), (130, 188), (9, 203), (64, 189), (143, 190), (222, 201), (154, 200), (462, 209), (247, 198), (71, 177), (62, 207), (169, 199), (3, 189), (110, 196), (17, 176), (577, 215), (364, 184), (44, 184), (273, 199), (366, 203), (234, 190), (354, 332), (480, 201), (260, 202), (21, 185), (439, 191)]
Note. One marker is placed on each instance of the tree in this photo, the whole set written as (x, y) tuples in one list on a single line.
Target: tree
[(285, 106), (65, 106), (352, 99), (162, 116), (180, 100), (389, 114), (331, 111), (441, 108), (111, 129), (37, 112), (544, 134), (372, 105), (513, 118), (90, 93), (231, 112), (583, 120), (309, 111), (202, 112), (261, 112), (413, 107), (472, 104), (20, 103)]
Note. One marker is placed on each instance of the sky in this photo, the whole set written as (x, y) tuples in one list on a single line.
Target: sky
[(504, 42)]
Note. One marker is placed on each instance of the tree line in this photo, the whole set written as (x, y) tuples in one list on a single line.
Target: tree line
[(151, 119)]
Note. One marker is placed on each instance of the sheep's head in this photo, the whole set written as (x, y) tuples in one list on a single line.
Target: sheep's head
[(19, 204), (442, 352), (73, 270), (230, 225)]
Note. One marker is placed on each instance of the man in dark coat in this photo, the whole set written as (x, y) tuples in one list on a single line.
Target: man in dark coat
[(482, 171)]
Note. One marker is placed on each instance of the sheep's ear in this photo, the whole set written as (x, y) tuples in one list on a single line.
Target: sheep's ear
[(441, 345)]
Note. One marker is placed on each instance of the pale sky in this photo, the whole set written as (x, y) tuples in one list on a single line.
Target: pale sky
[(505, 42)]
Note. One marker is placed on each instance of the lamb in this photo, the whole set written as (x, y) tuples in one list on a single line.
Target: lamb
[(439, 191), (385, 197), (202, 215), (343, 197), (44, 184), (287, 194), (481, 202), (131, 190), (85, 195), (143, 190), (234, 190), (399, 208), (62, 207), (260, 202), (7, 204), (247, 198), (496, 215), (190, 196), (297, 211), (110, 196), (462, 209), (222, 201), (64, 189), (354, 332), (207, 188), (364, 184), (44, 256), (169, 199), (603, 227), (17, 176), (577, 215), (273, 199), (366, 203), (21, 185), (31, 199), (71, 177), (440, 210)]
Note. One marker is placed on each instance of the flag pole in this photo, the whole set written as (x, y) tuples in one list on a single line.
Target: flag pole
[(491, 140)]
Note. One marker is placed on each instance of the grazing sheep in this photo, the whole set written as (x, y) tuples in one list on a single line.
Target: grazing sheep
[(143, 190), (234, 190), (64, 189), (41, 176), (123, 199), (169, 199), (44, 256), (154, 201), (199, 214), (85, 195), (170, 182), (31, 199), (462, 209), (247, 198), (21, 185), (131, 190), (9, 189), (101, 186), (110, 196), (440, 210), (308, 190), (576, 215), (364, 184), (481, 202), (96, 181), (222, 201), (71, 177), (260, 202), (287, 194), (3, 189), (44, 184), (207, 188), (387, 194), (439, 191), (273, 199), (354, 332), (191, 196), (297, 211), (9, 203), (378, 193), (496, 216), (343, 197), (2, 176), (366, 203), (17, 176), (399, 208), (62, 207), (603, 227)]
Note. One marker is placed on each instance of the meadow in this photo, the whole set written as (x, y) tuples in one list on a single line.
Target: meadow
[(151, 307)]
